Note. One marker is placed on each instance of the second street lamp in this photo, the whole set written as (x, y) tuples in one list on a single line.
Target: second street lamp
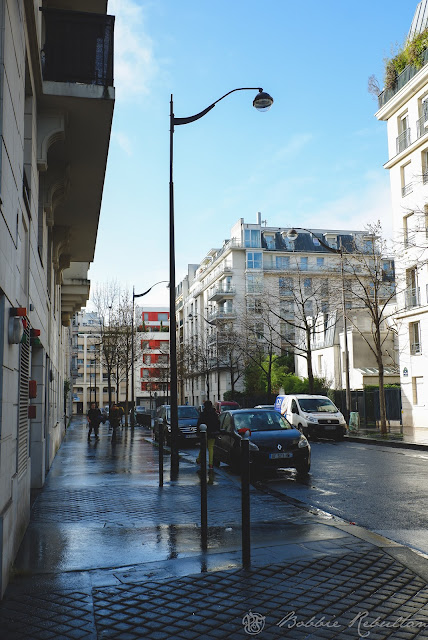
[(262, 102), (136, 295)]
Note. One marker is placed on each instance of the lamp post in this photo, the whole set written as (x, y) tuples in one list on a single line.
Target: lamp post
[(262, 102), (137, 295), (292, 234)]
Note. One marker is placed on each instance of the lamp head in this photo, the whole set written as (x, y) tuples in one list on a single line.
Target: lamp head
[(292, 234), (263, 101)]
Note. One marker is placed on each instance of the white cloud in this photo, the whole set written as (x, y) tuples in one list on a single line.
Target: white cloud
[(123, 141), (297, 142), (134, 61), (356, 210)]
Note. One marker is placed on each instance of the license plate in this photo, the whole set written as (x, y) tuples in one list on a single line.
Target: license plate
[(285, 454), (330, 427), (190, 435)]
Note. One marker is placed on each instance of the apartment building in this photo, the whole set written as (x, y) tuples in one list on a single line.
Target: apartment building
[(55, 119), (152, 357), (260, 279), (404, 107)]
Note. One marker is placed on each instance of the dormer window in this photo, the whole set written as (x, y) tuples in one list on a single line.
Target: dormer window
[(270, 240), (331, 240)]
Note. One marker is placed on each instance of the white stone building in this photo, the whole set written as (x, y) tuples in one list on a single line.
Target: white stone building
[(405, 109), (55, 120), (257, 268)]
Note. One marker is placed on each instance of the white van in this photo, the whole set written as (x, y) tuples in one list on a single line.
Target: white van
[(314, 415)]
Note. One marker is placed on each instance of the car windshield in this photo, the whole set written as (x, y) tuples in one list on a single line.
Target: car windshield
[(188, 412), (317, 405), (260, 421)]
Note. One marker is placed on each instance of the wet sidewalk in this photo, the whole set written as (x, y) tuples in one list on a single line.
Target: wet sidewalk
[(109, 554)]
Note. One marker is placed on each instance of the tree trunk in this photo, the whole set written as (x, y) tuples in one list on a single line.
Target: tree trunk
[(309, 360), (382, 403)]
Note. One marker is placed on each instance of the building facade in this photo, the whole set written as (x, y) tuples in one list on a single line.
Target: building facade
[(405, 109), (152, 357), (55, 120), (256, 285)]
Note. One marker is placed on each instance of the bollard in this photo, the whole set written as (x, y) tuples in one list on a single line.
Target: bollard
[(161, 439), (245, 500), (203, 459)]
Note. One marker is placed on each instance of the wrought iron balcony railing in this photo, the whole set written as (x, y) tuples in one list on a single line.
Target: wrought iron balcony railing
[(78, 47)]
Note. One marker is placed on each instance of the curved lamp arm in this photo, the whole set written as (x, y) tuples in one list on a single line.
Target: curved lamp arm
[(261, 101), (292, 235)]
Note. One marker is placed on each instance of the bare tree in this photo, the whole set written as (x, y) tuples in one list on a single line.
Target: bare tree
[(373, 290)]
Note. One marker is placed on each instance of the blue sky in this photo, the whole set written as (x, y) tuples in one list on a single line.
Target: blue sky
[(315, 159)]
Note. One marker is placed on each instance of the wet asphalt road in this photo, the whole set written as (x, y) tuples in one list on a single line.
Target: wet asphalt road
[(381, 488)]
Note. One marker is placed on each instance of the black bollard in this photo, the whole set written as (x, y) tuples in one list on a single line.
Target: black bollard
[(245, 500), (161, 439), (203, 459)]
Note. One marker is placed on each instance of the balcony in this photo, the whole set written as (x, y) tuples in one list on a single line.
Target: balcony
[(416, 349), (222, 292), (78, 47), (412, 297), (403, 78), (403, 141), (408, 188), (216, 316), (74, 124)]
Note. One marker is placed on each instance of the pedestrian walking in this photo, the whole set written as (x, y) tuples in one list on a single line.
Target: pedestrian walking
[(94, 418), (114, 419), (209, 417)]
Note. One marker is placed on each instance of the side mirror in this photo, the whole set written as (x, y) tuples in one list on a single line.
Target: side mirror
[(243, 430)]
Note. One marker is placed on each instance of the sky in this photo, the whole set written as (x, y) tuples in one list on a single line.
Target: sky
[(315, 159)]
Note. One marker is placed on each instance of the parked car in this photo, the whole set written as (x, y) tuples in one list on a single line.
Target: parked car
[(225, 405), (188, 417), (314, 415), (274, 442), (142, 417)]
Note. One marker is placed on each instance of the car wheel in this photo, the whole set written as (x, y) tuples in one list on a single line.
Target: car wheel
[(303, 467)]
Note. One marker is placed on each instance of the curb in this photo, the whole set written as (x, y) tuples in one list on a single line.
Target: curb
[(398, 444)]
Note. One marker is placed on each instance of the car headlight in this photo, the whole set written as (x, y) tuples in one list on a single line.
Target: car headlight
[(303, 443), (311, 419)]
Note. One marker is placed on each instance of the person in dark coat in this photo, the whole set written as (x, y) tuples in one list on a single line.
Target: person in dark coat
[(209, 417), (94, 418)]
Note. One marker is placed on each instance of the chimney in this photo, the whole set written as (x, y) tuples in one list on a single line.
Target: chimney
[(259, 218)]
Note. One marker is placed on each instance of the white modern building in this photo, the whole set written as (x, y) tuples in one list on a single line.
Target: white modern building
[(253, 284), (152, 357), (405, 109), (56, 111)]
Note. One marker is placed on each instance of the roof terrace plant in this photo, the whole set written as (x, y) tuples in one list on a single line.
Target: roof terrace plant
[(411, 54)]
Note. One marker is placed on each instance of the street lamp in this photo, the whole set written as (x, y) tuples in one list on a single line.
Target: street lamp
[(262, 102), (136, 295), (292, 235)]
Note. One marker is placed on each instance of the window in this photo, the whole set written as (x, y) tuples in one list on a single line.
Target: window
[(418, 389), (307, 283), (285, 286), (424, 163), (254, 305), (415, 338), (412, 289), (252, 238), (304, 263), (259, 330), (403, 139), (320, 263), (163, 317), (270, 241), (283, 262), (147, 359), (254, 260), (254, 284), (406, 180)]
